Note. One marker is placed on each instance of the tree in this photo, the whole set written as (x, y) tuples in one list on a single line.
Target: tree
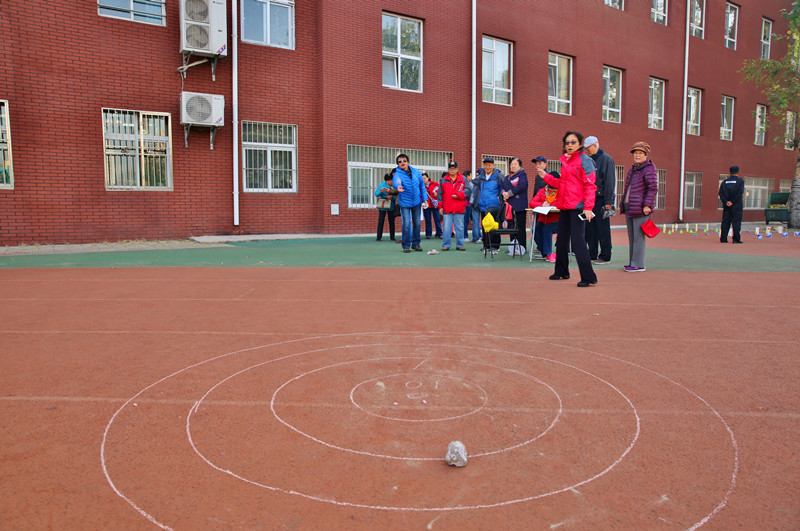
[(779, 80)]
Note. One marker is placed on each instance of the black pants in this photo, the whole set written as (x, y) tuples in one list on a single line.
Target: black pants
[(571, 230), (491, 240), (381, 216), (522, 236), (731, 215), (598, 232)]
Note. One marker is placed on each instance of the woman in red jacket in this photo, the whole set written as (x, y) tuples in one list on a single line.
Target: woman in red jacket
[(575, 200)]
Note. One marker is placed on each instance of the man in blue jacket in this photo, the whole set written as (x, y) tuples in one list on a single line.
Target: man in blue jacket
[(486, 197), (731, 192), (412, 197)]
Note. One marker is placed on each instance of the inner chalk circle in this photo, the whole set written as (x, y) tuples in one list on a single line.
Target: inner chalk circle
[(418, 397)]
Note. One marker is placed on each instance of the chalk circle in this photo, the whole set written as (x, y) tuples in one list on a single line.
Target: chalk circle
[(414, 397)]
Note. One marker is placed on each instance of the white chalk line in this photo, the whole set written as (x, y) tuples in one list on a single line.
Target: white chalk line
[(372, 333)]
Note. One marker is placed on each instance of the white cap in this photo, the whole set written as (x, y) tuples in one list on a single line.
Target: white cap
[(589, 141)]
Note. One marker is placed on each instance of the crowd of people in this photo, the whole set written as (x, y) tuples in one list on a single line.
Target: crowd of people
[(581, 198)]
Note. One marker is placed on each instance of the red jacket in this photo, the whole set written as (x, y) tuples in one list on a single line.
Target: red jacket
[(450, 204), (576, 185), (538, 200), (433, 193)]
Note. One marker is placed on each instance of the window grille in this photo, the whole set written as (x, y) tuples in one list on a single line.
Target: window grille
[(501, 162), (693, 190), (661, 195), (137, 150), (6, 166), (366, 166), (619, 172), (147, 11), (269, 152)]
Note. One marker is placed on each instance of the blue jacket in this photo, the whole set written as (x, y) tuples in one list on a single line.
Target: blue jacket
[(381, 192), (414, 192), (485, 193)]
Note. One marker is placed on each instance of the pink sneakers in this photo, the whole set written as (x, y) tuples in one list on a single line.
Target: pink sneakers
[(551, 258)]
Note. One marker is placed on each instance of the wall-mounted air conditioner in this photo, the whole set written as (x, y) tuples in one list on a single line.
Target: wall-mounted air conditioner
[(204, 28), (202, 109)]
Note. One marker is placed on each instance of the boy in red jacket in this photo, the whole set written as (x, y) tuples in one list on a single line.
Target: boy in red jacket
[(546, 224)]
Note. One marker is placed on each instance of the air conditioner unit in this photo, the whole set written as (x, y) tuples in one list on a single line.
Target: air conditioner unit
[(202, 109), (204, 27)]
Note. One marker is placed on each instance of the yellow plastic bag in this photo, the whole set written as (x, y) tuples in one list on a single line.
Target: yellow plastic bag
[(489, 224)]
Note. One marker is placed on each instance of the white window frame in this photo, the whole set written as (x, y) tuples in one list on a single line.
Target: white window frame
[(727, 108), (366, 166), (731, 25), (616, 4), (265, 18), (658, 11), (791, 129), (655, 116), (493, 87), (134, 11), (6, 161), (129, 147), (693, 127), (553, 100), (756, 192), (766, 37), (261, 179), (697, 24), (692, 190), (761, 124), (396, 56), (612, 113)]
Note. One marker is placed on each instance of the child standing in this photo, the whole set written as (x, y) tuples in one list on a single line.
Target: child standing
[(546, 224)]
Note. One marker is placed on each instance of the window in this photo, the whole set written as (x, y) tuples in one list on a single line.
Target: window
[(766, 37), (761, 124), (269, 152), (366, 166), (790, 142), (559, 84), (726, 121), (698, 17), (731, 25), (402, 53), (661, 194), (137, 150), (693, 190), (501, 162), (147, 11), (612, 94), (756, 192), (655, 116), (496, 71), (268, 22), (620, 173), (784, 185), (693, 115), (617, 4), (658, 11), (6, 167)]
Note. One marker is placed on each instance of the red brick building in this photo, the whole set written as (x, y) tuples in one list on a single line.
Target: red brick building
[(320, 96)]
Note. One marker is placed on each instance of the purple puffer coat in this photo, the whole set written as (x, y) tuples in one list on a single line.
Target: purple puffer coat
[(642, 181)]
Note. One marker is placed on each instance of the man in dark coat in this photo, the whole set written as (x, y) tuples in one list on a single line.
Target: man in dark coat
[(731, 193), (598, 231)]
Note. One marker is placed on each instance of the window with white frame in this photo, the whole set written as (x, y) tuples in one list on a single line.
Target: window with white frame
[(402, 52), (731, 25), (790, 142), (137, 150), (726, 120), (496, 66), (692, 189), (268, 22), (697, 17), (655, 115), (766, 37), (612, 94), (617, 4), (366, 166), (6, 166), (694, 97), (661, 194), (658, 11), (784, 185), (147, 11), (761, 124), (756, 192), (559, 84), (269, 152)]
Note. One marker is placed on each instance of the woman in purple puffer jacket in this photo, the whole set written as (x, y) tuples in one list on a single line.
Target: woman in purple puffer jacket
[(638, 202)]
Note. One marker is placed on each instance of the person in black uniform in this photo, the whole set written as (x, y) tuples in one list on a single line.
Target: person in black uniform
[(731, 193)]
